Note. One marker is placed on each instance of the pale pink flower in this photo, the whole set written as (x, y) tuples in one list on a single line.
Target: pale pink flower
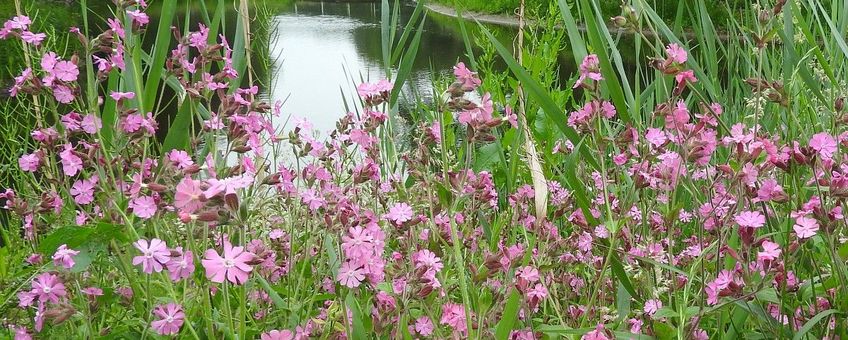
[(685, 77), (824, 144), (232, 266), (676, 53), (805, 227), (228, 185), (182, 265), (399, 213), (118, 96), (188, 196), (350, 275), (34, 39), (143, 206), (48, 288), (170, 318), (277, 335), (771, 251), (424, 326), (63, 94), (93, 291), (750, 219), (138, 17), (652, 306), (453, 315), (71, 163), (180, 159), (65, 71), (599, 333), (64, 257), (153, 255), (91, 124), (589, 68), (29, 162), (656, 137), (83, 190), (469, 79)]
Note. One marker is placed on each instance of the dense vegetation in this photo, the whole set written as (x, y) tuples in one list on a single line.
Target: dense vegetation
[(699, 194)]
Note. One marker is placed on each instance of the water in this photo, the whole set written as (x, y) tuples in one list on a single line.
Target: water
[(322, 50)]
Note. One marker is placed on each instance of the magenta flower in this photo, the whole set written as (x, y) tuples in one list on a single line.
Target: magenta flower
[(599, 333), (170, 319), (750, 219), (153, 255), (71, 163), (118, 96), (138, 17), (589, 68), (427, 259), (188, 196), (771, 251), (399, 213), (424, 326), (64, 257), (805, 227), (652, 306), (277, 335), (824, 144), (228, 185), (65, 71), (453, 315), (83, 190), (34, 39), (182, 265), (29, 162), (676, 53), (143, 206), (233, 266), (469, 79), (350, 275), (180, 159), (48, 288), (685, 77)]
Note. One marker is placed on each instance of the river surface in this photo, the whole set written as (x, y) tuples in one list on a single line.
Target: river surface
[(322, 50)]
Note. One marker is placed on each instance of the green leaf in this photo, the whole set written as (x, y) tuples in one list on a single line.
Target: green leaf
[(808, 326), (358, 326), (75, 237), (178, 134), (510, 315), (621, 275), (275, 298), (160, 53)]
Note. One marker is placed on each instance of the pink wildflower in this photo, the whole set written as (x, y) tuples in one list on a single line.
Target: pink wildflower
[(65, 71), (182, 265), (188, 196), (453, 315), (805, 227), (277, 335), (233, 266), (143, 206), (71, 163), (652, 306), (771, 251), (468, 79), (676, 53), (350, 275), (598, 334), (29, 162), (590, 69), (424, 326), (750, 219), (399, 213), (170, 319), (83, 190), (153, 255), (64, 257), (48, 288), (824, 144)]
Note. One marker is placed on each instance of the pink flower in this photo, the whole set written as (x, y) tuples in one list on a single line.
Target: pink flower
[(63, 94), (399, 213), (805, 227), (824, 144), (64, 257), (589, 68), (676, 53), (469, 79), (71, 163), (656, 137), (118, 96), (180, 159), (652, 306), (685, 77), (771, 251), (93, 291), (424, 326), (153, 255), (453, 315), (188, 196), (83, 190), (143, 206), (91, 124), (182, 265), (65, 71), (29, 162), (277, 335), (34, 39), (138, 17), (350, 275), (228, 185), (750, 219), (427, 259), (598, 334), (232, 266), (170, 319), (48, 288)]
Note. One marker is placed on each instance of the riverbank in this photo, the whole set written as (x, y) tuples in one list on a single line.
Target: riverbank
[(512, 21)]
